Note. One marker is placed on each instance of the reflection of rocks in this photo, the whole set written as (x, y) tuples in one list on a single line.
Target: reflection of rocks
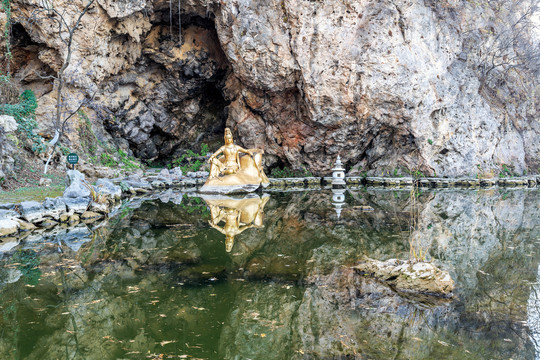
[(156, 273), (409, 276)]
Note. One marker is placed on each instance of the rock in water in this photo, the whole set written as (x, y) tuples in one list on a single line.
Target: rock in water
[(421, 277)]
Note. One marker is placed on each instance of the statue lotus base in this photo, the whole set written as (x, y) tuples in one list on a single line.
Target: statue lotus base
[(247, 179)]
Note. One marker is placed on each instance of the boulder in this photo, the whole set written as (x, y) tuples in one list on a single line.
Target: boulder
[(8, 214), (77, 185), (176, 173), (107, 187), (77, 205), (8, 227), (54, 207), (33, 211), (74, 176)]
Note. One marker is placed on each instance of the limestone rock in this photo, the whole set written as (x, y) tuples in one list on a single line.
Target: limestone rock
[(77, 185), (8, 227), (102, 208), (421, 277), (45, 181), (54, 207), (8, 214), (122, 8), (33, 211), (108, 188), (176, 173), (8, 123), (90, 215), (77, 204), (25, 226)]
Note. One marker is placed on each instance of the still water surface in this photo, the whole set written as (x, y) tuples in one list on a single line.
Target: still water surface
[(262, 278)]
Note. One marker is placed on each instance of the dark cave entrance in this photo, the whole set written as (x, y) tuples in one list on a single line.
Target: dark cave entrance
[(194, 109)]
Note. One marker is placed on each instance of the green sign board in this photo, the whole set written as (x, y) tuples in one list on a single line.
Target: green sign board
[(73, 158)]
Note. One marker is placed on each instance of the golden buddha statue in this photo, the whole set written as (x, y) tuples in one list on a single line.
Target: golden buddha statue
[(233, 172), (237, 214)]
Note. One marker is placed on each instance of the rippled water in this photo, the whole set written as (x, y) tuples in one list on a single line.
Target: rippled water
[(157, 281)]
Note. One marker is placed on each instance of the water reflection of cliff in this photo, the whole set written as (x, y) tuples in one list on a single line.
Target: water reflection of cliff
[(104, 307), (237, 214)]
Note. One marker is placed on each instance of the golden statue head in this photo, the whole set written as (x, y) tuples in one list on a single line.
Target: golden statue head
[(229, 242), (228, 136)]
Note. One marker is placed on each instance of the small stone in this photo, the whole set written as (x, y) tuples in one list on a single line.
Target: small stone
[(102, 208), (25, 226), (45, 181), (64, 218), (48, 223), (75, 218), (90, 215)]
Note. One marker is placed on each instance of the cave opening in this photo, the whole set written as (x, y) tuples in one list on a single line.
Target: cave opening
[(194, 109)]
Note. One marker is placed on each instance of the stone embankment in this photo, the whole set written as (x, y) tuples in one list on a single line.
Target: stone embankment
[(82, 202), (427, 182)]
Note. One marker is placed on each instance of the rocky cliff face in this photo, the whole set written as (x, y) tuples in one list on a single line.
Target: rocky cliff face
[(385, 84)]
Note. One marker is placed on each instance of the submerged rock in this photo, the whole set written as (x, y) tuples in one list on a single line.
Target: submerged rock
[(421, 277)]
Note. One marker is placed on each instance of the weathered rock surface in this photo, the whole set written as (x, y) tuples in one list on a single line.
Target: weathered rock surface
[(8, 227), (77, 186), (386, 84), (32, 211), (108, 188), (77, 204), (8, 123)]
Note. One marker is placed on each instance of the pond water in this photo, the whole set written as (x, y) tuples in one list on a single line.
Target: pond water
[(159, 279)]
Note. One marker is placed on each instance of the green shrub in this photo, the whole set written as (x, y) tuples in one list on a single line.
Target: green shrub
[(290, 173), (186, 161), (25, 114)]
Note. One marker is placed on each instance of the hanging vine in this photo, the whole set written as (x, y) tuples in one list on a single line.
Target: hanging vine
[(6, 6), (170, 18), (179, 22)]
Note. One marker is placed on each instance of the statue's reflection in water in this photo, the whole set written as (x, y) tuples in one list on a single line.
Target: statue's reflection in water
[(238, 214)]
